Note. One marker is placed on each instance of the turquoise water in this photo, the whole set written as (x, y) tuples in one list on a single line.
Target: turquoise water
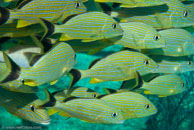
[(174, 112), (182, 119)]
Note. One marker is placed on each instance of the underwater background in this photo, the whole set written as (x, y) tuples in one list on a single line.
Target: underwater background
[(175, 112)]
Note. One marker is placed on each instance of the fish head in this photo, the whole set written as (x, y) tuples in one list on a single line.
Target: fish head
[(110, 116), (179, 88), (78, 7), (111, 28), (152, 40), (29, 111), (145, 108), (181, 15), (148, 65)]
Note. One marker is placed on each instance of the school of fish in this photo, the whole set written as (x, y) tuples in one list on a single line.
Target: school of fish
[(39, 40)]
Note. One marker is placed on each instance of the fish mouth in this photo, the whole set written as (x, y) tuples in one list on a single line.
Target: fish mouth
[(120, 122), (47, 122)]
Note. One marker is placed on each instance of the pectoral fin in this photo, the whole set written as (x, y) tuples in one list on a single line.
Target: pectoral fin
[(23, 23), (53, 82), (52, 111), (95, 80), (65, 37)]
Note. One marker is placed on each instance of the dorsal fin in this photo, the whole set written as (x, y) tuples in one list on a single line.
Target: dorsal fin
[(106, 8), (12, 72), (109, 90), (4, 15), (99, 97), (130, 49), (116, 5), (22, 3), (54, 93), (90, 90), (50, 100), (70, 98), (93, 63)]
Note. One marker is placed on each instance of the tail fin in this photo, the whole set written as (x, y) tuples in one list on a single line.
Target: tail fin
[(49, 28), (12, 72), (75, 77), (4, 15), (128, 84), (50, 100)]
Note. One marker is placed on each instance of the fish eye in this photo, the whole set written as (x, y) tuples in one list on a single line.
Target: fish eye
[(77, 4), (147, 106), (22, 80), (146, 62), (183, 85), (32, 108), (114, 114), (156, 37), (94, 96), (114, 25), (185, 14), (189, 62)]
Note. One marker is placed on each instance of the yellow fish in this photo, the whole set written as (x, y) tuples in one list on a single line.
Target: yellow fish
[(140, 36), (49, 68), (52, 10), (119, 66), (179, 42), (91, 26), (77, 91), (89, 110), (24, 106), (174, 14), (164, 85), (136, 3), (131, 104)]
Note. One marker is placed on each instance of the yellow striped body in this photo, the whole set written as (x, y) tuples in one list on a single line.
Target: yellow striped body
[(81, 92), (134, 3), (91, 26), (49, 67), (51, 10), (120, 66), (11, 30), (24, 106), (91, 110), (174, 66), (140, 36), (176, 15), (132, 105), (165, 85), (179, 42), (16, 85)]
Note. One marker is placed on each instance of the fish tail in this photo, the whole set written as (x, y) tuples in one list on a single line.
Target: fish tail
[(4, 15), (50, 100), (12, 72), (48, 26), (75, 77)]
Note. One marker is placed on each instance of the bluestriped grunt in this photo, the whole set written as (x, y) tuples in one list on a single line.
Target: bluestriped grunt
[(92, 26), (131, 104), (119, 66)]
